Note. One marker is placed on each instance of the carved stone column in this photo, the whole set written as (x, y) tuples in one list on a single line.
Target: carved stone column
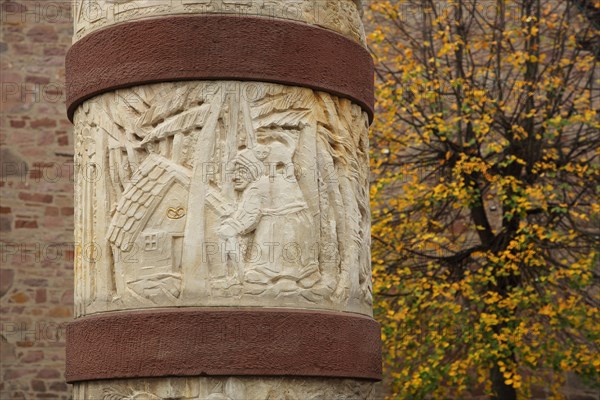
[(222, 202)]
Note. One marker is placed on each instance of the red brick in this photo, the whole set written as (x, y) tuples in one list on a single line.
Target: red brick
[(17, 373), (53, 222), (63, 141), (42, 80), (23, 48), (21, 224), (66, 210), (17, 124), (38, 386), (53, 92), (35, 174), (43, 123), (5, 210), (40, 296), (36, 197), (7, 277), (55, 51), (48, 373), (59, 387), (61, 312), (43, 33), (69, 255), (5, 223), (33, 356), (52, 211)]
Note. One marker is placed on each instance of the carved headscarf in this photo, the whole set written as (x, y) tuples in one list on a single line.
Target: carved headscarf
[(247, 159)]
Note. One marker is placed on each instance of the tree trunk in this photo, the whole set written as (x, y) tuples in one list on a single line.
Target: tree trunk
[(502, 391)]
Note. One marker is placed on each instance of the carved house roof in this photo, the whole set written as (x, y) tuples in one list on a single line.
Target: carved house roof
[(147, 188)]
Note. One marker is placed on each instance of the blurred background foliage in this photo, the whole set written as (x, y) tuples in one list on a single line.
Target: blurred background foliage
[(485, 181)]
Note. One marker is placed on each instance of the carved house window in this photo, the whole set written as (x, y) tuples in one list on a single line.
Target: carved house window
[(151, 242)]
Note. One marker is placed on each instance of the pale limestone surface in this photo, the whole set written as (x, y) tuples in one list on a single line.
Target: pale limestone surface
[(222, 194), (223, 388), (342, 16)]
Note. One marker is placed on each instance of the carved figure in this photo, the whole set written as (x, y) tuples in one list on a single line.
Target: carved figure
[(275, 214)]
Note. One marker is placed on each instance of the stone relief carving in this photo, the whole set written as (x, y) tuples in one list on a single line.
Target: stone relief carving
[(222, 194), (342, 16), (227, 389)]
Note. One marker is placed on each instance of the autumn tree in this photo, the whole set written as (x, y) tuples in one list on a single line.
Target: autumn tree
[(486, 222)]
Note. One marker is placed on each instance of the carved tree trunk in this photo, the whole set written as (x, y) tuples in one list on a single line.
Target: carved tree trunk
[(224, 234)]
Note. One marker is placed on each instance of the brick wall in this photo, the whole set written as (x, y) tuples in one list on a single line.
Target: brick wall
[(36, 213)]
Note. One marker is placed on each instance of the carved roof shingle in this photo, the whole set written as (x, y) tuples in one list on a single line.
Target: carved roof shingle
[(148, 186)]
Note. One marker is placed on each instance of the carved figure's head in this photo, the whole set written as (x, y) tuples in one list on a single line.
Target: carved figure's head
[(282, 145), (247, 169), (262, 151)]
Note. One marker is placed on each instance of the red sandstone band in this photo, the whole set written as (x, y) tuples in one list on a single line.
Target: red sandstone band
[(218, 47)]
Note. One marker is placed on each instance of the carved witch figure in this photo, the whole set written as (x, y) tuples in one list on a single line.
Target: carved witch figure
[(272, 221)]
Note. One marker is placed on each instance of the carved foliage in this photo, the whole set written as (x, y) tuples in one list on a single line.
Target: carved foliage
[(228, 389), (342, 16)]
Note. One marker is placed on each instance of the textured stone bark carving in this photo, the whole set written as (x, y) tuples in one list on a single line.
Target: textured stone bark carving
[(342, 16), (228, 389), (222, 193)]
